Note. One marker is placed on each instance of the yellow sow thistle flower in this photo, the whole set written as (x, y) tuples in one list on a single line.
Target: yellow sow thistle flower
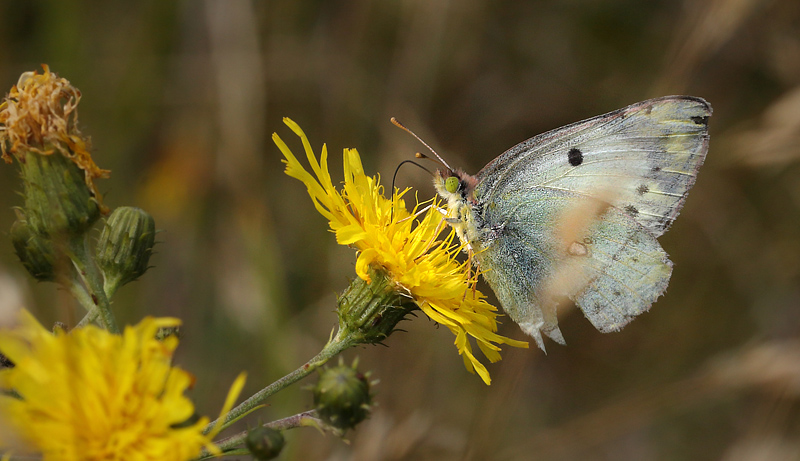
[(391, 240), (92, 395)]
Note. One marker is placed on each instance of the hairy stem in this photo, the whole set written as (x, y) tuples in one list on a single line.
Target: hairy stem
[(93, 282), (336, 345), (306, 418)]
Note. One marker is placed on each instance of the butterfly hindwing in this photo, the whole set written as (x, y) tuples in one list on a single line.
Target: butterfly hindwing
[(625, 271), (612, 268)]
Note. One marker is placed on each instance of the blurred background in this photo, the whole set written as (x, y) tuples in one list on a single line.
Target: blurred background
[(181, 98)]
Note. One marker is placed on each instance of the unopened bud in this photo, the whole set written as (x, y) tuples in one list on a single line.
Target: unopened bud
[(342, 397), (39, 128), (57, 199), (264, 442), (125, 245)]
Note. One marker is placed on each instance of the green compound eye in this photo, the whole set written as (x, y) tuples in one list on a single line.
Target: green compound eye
[(451, 184)]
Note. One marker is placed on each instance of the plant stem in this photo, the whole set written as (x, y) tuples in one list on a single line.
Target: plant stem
[(109, 287), (306, 418), (93, 281), (90, 317), (79, 292), (336, 345)]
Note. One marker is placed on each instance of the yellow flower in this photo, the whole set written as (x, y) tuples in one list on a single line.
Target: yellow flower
[(390, 238), (92, 395)]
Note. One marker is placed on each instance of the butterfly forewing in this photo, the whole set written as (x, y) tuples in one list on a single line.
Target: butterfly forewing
[(646, 154)]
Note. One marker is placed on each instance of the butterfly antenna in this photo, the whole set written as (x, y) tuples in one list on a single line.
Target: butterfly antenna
[(396, 170), (440, 159)]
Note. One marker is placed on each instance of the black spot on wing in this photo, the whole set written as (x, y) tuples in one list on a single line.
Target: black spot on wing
[(642, 189), (700, 120), (575, 156), (632, 211), (655, 173)]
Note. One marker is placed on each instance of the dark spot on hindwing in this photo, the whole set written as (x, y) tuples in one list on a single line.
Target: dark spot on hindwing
[(642, 189), (655, 169), (617, 293), (575, 156), (700, 120), (632, 211)]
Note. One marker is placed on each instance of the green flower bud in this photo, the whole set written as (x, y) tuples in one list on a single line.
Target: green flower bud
[(341, 396), (34, 251), (370, 311), (57, 199), (39, 128), (264, 442), (125, 245)]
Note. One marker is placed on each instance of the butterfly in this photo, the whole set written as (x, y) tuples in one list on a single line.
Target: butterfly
[(572, 215)]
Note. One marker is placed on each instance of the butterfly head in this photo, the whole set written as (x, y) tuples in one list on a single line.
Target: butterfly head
[(454, 186)]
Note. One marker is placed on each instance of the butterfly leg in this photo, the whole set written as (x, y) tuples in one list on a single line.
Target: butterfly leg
[(474, 281), (433, 239), (419, 213)]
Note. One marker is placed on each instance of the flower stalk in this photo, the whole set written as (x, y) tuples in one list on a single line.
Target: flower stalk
[(335, 345), (305, 419), (93, 282)]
